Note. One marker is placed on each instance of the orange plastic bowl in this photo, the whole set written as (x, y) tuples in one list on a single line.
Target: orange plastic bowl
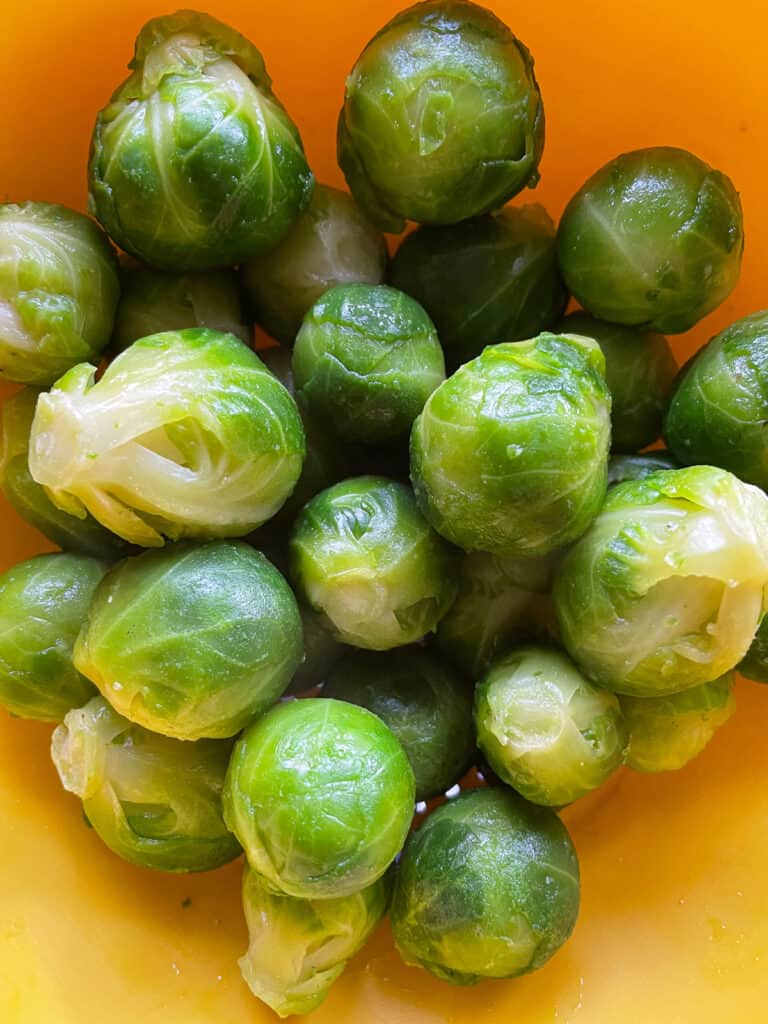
[(674, 926)]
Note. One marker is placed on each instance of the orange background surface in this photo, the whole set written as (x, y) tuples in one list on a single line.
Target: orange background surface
[(674, 926)]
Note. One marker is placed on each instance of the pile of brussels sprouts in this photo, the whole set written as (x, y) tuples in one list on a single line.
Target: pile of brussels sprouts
[(482, 569)]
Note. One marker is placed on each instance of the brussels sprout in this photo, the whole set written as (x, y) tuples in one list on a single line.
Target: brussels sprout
[(442, 117), (364, 556), (755, 664), (636, 467), (83, 536), (152, 301), (665, 733), (510, 453), (331, 243), (545, 729), (487, 887), (366, 360), (298, 948), (639, 369), (194, 162), (58, 291), (720, 406), (42, 604), (425, 704), (187, 434), (665, 591), (320, 794), (654, 237), (193, 641), (484, 281), (501, 602), (153, 800)]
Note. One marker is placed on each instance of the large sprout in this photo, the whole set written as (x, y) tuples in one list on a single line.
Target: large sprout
[(193, 641), (298, 948), (153, 800), (442, 117), (42, 603), (364, 556), (187, 434), (718, 411), (665, 591), (654, 237), (320, 794), (545, 729), (487, 887), (490, 279), (331, 243), (509, 454), (194, 161), (58, 291)]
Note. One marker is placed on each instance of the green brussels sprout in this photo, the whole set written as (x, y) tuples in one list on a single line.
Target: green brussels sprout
[(636, 467), (298, 948), (487, 887), (42, 604), (754, 665), (153, 301), (28, 498), (58, 291), (442, 117), (423, 701), (187, 434), (640, 370), (194, 162), (364, 556), (487, 280), (665, 733), (320, 794), (665, 591), (719, 409), (510, 453), (366, 360), (331, 243), (154, 801), (545, 729), (501, 602), (655, 237), (193, 641)]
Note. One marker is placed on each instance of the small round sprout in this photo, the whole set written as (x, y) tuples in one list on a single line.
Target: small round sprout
[(154, 801), (58, 291), (665, 733), (153, 301), (640, 370), (487, 280), (82, 536), (636, 467), (754, 666), (510, 453), (501, 602), (193, 641), (366, 360), (654, 237), (364, 556), (320, 794), (545, 729), (720, 406), (487, 887), (331, 243), (187, 434), (194, 162), (442, 117), (43, 602), (425, 704), (665, 591), (298, 948)]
